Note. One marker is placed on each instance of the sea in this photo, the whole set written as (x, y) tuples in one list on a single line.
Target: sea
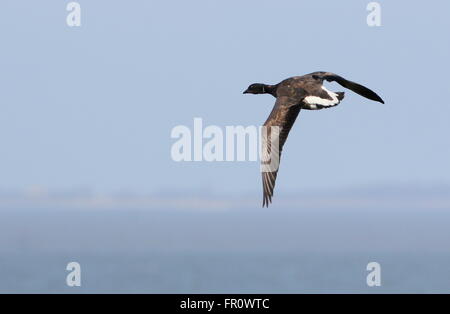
[(295, 248)]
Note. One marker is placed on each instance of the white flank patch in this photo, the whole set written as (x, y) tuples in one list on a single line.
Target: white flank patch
[(315, 100)]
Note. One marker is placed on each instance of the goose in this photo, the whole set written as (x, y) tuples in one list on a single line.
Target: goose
[(293, 94)]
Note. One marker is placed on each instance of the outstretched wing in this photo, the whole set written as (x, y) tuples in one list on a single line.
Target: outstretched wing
[(274, 134), (357, 88)]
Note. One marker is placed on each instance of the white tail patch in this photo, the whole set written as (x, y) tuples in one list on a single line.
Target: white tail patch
[(315, 100)]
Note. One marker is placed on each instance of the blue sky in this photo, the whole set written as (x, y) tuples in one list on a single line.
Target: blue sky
[(94, 106)]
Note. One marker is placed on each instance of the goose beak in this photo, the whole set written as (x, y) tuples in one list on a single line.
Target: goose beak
[(246, 92)]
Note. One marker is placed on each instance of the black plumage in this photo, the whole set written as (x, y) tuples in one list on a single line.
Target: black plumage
[(292, 95)]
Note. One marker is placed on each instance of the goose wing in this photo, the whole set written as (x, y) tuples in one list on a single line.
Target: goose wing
[(357, 88), (274, 134)]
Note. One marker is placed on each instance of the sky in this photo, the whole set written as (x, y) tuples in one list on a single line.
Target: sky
[(93, 106)]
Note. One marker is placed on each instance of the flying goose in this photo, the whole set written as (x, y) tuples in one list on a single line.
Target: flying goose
[(292, 95)]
